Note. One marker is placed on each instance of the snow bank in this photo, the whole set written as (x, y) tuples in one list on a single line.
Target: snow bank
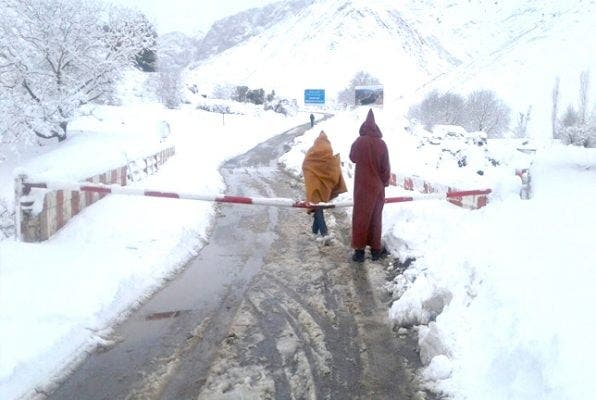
[(519, 274)]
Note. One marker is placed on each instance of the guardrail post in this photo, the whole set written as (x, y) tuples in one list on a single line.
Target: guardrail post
[(19, 192)]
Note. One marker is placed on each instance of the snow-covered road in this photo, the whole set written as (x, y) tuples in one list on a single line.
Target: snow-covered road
[(279, 315)]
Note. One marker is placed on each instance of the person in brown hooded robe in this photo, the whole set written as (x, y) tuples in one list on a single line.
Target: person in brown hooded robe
[(322, 178), (372, 175)]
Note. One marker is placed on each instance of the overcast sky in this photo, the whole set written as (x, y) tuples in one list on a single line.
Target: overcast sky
[(189, 16)]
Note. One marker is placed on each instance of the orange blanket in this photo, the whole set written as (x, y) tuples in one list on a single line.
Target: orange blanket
[(322, 172)]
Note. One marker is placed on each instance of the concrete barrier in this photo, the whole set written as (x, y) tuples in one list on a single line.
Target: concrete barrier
[(41, 212)]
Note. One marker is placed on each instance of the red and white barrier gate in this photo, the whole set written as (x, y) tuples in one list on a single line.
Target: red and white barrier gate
[(277, 202)]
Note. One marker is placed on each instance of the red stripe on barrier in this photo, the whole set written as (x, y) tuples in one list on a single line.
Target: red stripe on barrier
[(60, 209), (408, 184), (456, 201), (95, 189), (75, 202), (306, 204), (398, 199), (234, 199), (464, 193), (169, 195)]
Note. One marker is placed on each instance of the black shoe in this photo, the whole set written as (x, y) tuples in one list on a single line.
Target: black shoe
[(379, 254), (358, 256)]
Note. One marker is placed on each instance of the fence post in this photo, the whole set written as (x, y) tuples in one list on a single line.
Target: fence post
[(19, 188)]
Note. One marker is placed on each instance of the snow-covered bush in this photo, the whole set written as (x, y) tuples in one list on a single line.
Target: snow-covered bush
[(282, 106), (579, 135)]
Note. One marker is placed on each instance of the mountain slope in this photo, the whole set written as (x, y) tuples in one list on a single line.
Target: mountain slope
[(515, 48), (231, 31), (323, 44)]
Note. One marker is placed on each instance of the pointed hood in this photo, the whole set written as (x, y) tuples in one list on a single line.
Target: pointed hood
[(369, 127)]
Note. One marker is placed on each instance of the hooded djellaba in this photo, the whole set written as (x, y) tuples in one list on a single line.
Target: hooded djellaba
[(322, 178), (372, 175)]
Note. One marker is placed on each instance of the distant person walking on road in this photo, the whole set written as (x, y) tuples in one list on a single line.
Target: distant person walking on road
[(322, 178), (372, 175), (312, 120)]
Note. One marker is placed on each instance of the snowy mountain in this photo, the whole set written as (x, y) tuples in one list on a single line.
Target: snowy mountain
[(321, 44), (176, 50), (514, 48), (231, 31)]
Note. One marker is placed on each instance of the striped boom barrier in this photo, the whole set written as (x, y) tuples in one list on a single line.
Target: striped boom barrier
[(276, 202)]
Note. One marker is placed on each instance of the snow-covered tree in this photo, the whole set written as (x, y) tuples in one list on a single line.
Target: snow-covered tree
[(584, 87), (486, 112), (169, 88), (521, 129), (555, 109), (56, 55), (439, 109), (578, 126), (570, 118)]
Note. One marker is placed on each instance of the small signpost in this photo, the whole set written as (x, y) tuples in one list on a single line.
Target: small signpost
[(314, 96)]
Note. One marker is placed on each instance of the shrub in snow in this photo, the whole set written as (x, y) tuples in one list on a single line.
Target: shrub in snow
[(581, 135), (216, 108), (282, 106), (256, 96), (240, 94)]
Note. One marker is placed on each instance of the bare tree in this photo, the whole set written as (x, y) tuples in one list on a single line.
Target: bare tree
[(169, 88), (521, 130), (555, 109), (486, 112), (57, 55), (444, 109), (584, 85)]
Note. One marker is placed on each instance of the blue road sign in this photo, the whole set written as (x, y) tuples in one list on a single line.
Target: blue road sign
[(314, 96)]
